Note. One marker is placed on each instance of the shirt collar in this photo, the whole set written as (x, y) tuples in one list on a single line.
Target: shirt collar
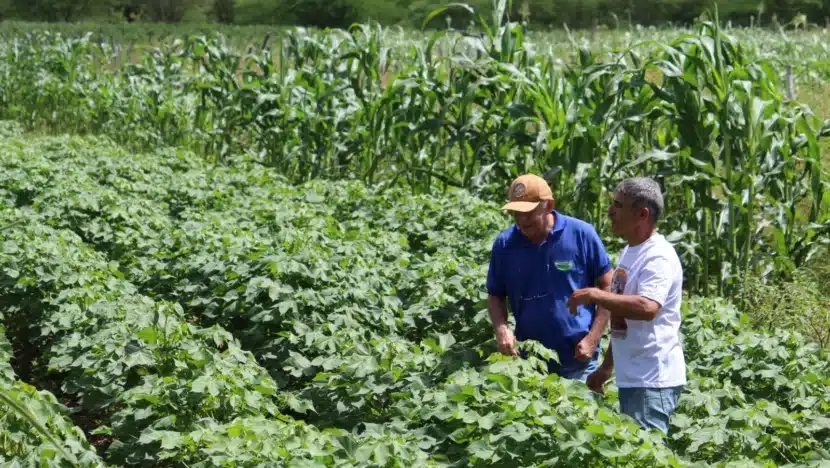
[(559, 224)]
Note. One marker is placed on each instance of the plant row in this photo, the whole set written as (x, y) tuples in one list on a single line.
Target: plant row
[(710, 123), (36, 428), (367, 306), (141, 379), (275, 266)]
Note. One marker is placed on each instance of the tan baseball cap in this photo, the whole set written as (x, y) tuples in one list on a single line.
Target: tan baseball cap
[(526, 192)]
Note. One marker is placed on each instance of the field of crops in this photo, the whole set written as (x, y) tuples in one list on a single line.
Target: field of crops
[(806, 50), (213, 256), (196, 315), (702, 114)]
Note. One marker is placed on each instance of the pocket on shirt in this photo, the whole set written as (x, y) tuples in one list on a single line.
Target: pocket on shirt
[(568, 271)]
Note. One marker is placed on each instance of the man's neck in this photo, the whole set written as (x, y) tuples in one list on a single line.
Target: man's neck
[(641, 235)]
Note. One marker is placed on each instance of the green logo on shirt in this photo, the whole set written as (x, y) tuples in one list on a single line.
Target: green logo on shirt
[(564, 266)]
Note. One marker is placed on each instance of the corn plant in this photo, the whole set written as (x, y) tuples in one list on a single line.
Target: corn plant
[(748, 160), (702, 113)]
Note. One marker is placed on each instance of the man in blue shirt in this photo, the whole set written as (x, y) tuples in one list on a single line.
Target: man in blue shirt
[(535, 266)]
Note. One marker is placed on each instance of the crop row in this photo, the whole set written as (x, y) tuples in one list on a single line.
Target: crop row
[(449, 445), (249, 262), (710, 123), (124, 359), (806, 50), (36, 427), (136, 372), (382, 331)]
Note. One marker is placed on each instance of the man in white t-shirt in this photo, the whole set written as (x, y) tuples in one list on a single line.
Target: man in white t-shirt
[(644, 302)]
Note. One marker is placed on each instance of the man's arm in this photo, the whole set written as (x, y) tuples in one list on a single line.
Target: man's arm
[(602, 314), (587, 345), (632, 307), (596, 381), (652, 291), (599, 267), (497, 307)]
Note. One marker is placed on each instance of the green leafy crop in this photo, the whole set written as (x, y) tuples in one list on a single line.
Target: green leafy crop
[(199, 315), (703, 110)]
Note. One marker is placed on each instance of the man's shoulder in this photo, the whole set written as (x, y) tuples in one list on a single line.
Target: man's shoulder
[(578, 225), (663, 248), (655, 248), (505, 238), (575, 224)]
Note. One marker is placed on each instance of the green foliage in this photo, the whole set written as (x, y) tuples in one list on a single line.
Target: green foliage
[(318, 298), (57, 10), (34, 426), (741, 163), (171, 11), (341, 13), (123, 358), (754, 393), (802, 303), (159, 289), (36, 429), (508, 413), (224, 10)]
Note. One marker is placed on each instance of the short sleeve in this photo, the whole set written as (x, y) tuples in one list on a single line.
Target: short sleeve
[(495, 274), (597, 260), (655, 280)]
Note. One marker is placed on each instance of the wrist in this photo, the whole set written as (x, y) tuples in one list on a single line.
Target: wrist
[(593, 336), (598, 296)]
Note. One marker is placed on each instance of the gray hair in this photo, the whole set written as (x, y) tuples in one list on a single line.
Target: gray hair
[(643, 193)]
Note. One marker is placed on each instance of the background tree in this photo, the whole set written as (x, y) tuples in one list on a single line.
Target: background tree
[(223, 10)]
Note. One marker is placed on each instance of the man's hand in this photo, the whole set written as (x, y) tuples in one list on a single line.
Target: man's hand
[(506, 341), (585, 348), (582, 296), (596, 381)]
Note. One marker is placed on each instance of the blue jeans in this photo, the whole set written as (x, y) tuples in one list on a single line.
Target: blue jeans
[(650, 407), (579, 374)]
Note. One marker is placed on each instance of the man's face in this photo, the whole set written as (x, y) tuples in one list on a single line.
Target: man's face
[(532, 223), (622, 214)]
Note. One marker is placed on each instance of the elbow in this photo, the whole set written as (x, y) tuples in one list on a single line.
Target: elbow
[(648, 309)]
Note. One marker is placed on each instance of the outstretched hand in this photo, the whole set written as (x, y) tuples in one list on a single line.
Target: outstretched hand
[(581, 297)]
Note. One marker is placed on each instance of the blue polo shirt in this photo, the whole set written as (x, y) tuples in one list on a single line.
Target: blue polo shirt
[(538, 280)]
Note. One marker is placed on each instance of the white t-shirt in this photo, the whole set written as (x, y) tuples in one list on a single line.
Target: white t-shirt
[(648, 353)]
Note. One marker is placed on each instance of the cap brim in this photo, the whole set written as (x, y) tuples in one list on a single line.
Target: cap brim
[(521, 206)]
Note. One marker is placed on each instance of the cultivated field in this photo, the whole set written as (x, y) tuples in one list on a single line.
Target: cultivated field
[(212, 257)]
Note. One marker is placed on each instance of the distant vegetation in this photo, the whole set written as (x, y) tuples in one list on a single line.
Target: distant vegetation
[(342, 13)]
